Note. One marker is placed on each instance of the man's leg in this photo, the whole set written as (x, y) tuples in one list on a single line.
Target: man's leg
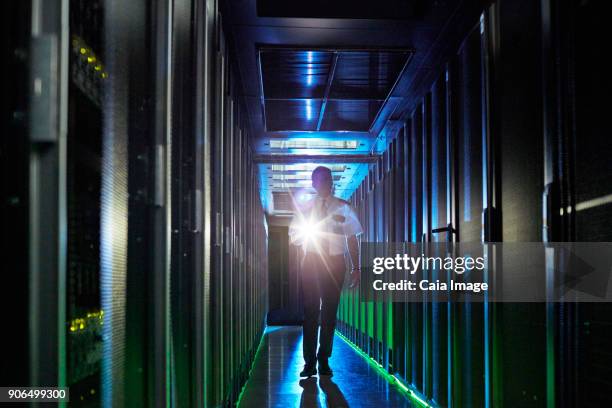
[(331, 286), (310, 326)]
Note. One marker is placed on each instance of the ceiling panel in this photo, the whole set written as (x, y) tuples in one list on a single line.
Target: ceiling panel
[(292, 115), (348, 9), (288, 74), (367, 74), (326, 90), (350, 115)]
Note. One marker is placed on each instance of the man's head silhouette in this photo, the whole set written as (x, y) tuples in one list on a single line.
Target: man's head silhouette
[(322, 181)]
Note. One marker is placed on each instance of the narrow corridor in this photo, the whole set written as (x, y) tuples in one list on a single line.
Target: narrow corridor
[(185, 183), (275, 380)]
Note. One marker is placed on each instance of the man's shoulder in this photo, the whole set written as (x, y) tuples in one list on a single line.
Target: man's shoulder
[(342, 201), (345, 205)]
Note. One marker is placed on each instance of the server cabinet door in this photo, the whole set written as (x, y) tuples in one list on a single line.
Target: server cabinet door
[(217, 309), (414, 344), (468, 320), (440, 230), (587, 151), (514, 180)]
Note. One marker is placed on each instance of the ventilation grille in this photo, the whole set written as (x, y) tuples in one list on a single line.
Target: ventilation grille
[(282, 202)]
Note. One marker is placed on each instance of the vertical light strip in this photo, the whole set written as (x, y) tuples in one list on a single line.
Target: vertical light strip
[(168, 171), (550, 329), (485, 112), (487, 329), (450, 220), (435, 177), (62, 189), (486, 183), (309, 109), (309, 70), (467, 176), (207, 253)]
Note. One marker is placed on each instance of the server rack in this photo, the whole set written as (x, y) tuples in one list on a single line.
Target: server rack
[(471, 165), (576, 184), (149, 242)]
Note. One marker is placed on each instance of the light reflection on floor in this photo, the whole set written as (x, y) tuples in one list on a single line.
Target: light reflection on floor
[(275, 380)]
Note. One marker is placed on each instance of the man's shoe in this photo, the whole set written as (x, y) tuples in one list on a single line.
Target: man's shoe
[(309, 370), (324, 368)]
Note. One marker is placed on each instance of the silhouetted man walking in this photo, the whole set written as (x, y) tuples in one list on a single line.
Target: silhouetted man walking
[(326, 228)]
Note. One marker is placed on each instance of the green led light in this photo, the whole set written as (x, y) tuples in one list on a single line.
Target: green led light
[(389, 377), (261, 341), (402, 386), (419, 399)]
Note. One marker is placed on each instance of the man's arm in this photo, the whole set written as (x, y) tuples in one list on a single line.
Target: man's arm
[(353, 247)]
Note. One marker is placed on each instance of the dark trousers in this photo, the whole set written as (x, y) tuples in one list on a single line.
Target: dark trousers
[(322, 279)]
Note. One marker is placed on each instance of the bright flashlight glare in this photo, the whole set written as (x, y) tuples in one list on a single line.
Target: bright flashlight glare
[(308, 231)]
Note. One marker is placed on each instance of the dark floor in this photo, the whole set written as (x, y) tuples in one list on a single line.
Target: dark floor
[(275, 380)]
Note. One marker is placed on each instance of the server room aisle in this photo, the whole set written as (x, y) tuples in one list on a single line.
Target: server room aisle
[(275, 381)]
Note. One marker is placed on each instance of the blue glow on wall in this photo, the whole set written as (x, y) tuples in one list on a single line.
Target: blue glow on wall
[(435, 185), (308, 109), (309, 69), (467, 190)]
